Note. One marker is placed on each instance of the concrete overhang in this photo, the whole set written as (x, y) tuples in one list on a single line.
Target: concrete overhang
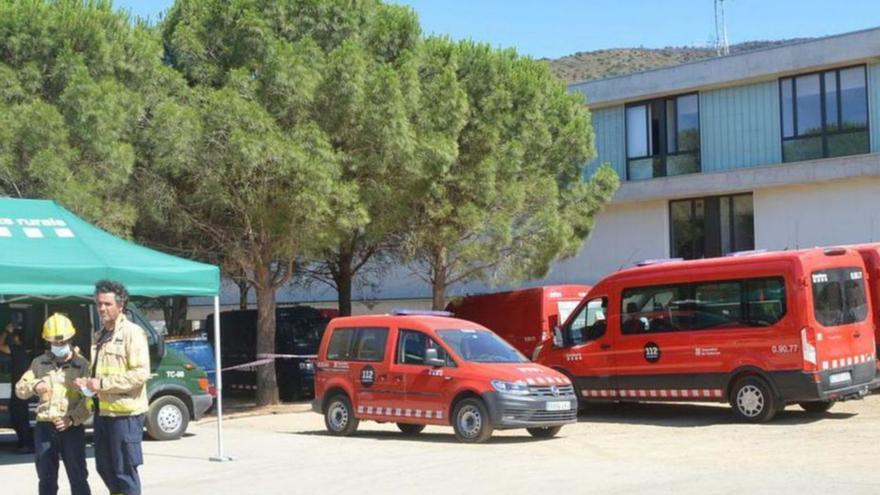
[(741, 68), (749, 179)]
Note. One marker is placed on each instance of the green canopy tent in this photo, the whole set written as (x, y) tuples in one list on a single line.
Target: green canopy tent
[(48, 252)]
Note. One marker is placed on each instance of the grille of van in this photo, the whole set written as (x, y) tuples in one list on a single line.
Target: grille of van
[(531, 415), (561, 391)]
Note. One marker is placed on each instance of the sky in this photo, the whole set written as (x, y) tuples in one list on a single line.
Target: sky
[(556, 28)]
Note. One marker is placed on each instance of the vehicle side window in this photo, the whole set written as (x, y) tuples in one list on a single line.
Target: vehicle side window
[(589, 323), (339, 348), (370, 344), (653, 309), (723, 304), (411, 347)]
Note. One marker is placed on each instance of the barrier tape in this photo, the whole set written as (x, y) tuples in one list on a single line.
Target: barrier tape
[(266, 359)]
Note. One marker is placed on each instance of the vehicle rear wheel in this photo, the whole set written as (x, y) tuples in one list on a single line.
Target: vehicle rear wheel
[(167, 418), (816, 407), (752, 400), (410, 429), (547, 432), (339, 416), (470, 420)]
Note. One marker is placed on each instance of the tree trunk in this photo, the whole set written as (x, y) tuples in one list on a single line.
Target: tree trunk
[(267, 385), (438, 289), (243, 287), (174, 310), (343, 279)]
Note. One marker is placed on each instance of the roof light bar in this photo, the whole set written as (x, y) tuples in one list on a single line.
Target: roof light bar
[(749, 252), (419, 312), (657, 261)]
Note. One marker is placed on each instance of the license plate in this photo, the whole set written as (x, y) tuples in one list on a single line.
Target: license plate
[(839, 378), (559, 405)]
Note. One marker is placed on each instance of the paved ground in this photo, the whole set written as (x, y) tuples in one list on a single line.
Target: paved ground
[(633, 448)]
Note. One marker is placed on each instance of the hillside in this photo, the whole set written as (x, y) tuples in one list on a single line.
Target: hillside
[(597, 64)]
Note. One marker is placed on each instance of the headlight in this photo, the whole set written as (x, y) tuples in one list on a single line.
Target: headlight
[(511, 388)]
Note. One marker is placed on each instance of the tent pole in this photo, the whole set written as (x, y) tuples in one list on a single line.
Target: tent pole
[(218, 380)]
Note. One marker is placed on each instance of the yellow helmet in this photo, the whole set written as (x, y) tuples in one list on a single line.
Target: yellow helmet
[(58, 328)]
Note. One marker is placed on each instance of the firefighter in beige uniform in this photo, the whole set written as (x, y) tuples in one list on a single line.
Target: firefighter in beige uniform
[(120, 370), (62, 409)]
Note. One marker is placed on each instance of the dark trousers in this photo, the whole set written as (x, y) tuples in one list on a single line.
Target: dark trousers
[(20, 416), (70, 446), (118, 452)]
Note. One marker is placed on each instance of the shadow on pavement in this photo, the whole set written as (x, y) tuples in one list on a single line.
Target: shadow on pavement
[(423, 437), (9, 456), (690, 415)]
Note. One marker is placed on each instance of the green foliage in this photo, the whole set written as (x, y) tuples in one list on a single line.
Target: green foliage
[(504, 144), (76, 78)]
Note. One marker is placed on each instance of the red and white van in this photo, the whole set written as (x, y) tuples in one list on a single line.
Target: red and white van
[(759, 331), (416, 370), (524, 317)]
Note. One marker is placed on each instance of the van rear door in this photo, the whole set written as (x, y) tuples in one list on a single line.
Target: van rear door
[(844, 337)]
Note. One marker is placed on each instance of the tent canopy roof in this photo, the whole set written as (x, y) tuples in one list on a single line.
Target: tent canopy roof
[(47, 250)]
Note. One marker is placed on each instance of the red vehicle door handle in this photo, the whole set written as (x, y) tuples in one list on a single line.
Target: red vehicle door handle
[(857, 334), (605, 347), (447, 378)]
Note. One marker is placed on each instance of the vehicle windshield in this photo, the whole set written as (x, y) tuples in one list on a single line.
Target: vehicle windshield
[(839, 296), (480, 346)]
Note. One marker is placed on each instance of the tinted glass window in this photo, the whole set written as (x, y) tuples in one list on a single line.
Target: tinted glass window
[(688, 123), (370, 344), (853, 98), (839, 296), (589, 324), (809, 109), (480, 346), (824, 114), (703, 306), (339, 348), (653, 309), (412, 346), (713, 226), (637, 138), (765, 301)]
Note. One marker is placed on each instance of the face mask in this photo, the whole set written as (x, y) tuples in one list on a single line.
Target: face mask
[(61, 351)]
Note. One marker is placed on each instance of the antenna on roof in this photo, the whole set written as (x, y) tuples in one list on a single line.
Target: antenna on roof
[(721, 45)]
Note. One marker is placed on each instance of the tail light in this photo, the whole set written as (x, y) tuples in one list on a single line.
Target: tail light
[(203, 384), (808, 347)]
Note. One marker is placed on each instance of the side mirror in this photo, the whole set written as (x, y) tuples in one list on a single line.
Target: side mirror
[(431, 358), (558, 341)]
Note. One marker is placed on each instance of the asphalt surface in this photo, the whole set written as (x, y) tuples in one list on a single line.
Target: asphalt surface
[(624, 448)]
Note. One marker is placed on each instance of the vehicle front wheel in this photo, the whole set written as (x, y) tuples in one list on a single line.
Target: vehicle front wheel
[(339, 416), (752, 400), (547, 432), (410, 429), (817, 407), (470, 420), (167, 418)]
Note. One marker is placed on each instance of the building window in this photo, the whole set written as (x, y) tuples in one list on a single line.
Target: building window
[(710, 227), (824, 114), (663, 137)]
